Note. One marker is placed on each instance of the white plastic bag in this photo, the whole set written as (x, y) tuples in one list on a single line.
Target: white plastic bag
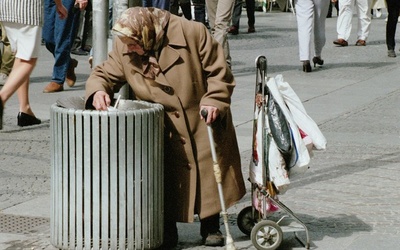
[(299, 114), (300, 156)]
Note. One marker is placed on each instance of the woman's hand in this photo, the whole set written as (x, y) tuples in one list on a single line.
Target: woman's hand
[(212, 113), (101, 100)]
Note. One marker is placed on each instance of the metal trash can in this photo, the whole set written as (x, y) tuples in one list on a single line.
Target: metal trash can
[(107, 177)]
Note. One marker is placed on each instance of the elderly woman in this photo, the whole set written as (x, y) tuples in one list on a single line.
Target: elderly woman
[(175, 62)]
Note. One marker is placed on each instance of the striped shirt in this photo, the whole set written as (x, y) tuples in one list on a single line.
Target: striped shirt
[(28, 12)]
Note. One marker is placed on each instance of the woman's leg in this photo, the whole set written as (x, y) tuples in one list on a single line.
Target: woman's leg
[(19, 76)]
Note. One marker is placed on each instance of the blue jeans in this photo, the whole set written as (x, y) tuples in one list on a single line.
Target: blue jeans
[(160, 4), (59, 36)]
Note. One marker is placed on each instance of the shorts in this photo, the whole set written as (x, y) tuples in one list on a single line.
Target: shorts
[(25, 40)]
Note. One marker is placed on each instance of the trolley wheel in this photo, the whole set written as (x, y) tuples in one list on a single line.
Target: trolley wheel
[(245, 220), (266, 235)]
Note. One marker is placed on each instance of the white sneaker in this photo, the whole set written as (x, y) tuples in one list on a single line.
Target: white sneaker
[(378, 13), (3, 79)]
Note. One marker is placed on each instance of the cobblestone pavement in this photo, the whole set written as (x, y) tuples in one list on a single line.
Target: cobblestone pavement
[(349, 198)]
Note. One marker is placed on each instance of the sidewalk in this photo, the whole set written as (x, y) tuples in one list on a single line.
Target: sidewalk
[(349, 199)]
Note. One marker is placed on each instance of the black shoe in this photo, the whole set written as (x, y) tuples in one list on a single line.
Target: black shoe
[(1, 114), (306, 66), (317, 60), (27, 120), (214, 240)]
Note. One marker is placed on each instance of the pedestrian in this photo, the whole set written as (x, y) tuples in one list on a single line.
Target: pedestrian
[(344, 21), (237, 12), (7, 57), (24, 33), (175, 62), (220, 16), (59, 38), (311, 17), (393, 7)]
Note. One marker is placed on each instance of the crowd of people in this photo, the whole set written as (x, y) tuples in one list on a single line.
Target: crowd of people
[(158, 48)]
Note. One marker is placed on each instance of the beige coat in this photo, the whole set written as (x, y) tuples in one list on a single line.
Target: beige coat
[(194, 73)]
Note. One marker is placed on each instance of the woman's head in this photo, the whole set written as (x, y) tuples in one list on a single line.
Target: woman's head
[(142, 29)]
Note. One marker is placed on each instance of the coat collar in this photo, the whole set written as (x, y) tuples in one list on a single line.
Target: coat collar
[(174, 38)]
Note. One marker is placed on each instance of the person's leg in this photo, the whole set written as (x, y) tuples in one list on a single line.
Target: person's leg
[(211, 6), (19, 75), (63, 68), (320, 12), (364, 19), (161, 4), (199, 11), (304, 16), (87, 28), (219, 27), (7, 58), (209, 230), (23, 98), (344, 19), (393, 13), (250, 9), (329, 15), (237, 12), (174, 7), (48, 25), (186, 7)]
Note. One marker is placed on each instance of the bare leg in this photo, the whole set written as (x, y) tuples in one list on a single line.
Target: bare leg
[(23, 98), (19, 80)]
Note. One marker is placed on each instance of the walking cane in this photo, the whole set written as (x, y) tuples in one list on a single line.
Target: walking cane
[(217, 173)]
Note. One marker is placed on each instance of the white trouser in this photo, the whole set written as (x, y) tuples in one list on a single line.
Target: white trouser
[(346, 15), (311, 15)]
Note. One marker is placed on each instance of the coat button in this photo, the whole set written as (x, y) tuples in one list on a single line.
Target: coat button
[(183, 140), (188, 166), (177, 115)]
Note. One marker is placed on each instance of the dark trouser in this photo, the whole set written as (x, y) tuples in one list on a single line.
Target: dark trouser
[(393, 7), (237, 12), (185, 6), (331, 8), (199, 11), (209, 225), (58, 35)]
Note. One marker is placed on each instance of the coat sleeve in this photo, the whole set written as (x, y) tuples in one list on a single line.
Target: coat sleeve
[(219, 79), (108, 76)]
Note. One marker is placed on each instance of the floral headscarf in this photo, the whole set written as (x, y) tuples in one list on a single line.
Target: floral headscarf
[(147, 27)]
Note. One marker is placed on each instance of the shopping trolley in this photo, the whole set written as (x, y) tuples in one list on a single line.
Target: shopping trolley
[(256, 220)]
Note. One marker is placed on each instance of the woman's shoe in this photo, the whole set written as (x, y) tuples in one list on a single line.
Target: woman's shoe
[(306, 66), (27, 120), (317, 60)]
